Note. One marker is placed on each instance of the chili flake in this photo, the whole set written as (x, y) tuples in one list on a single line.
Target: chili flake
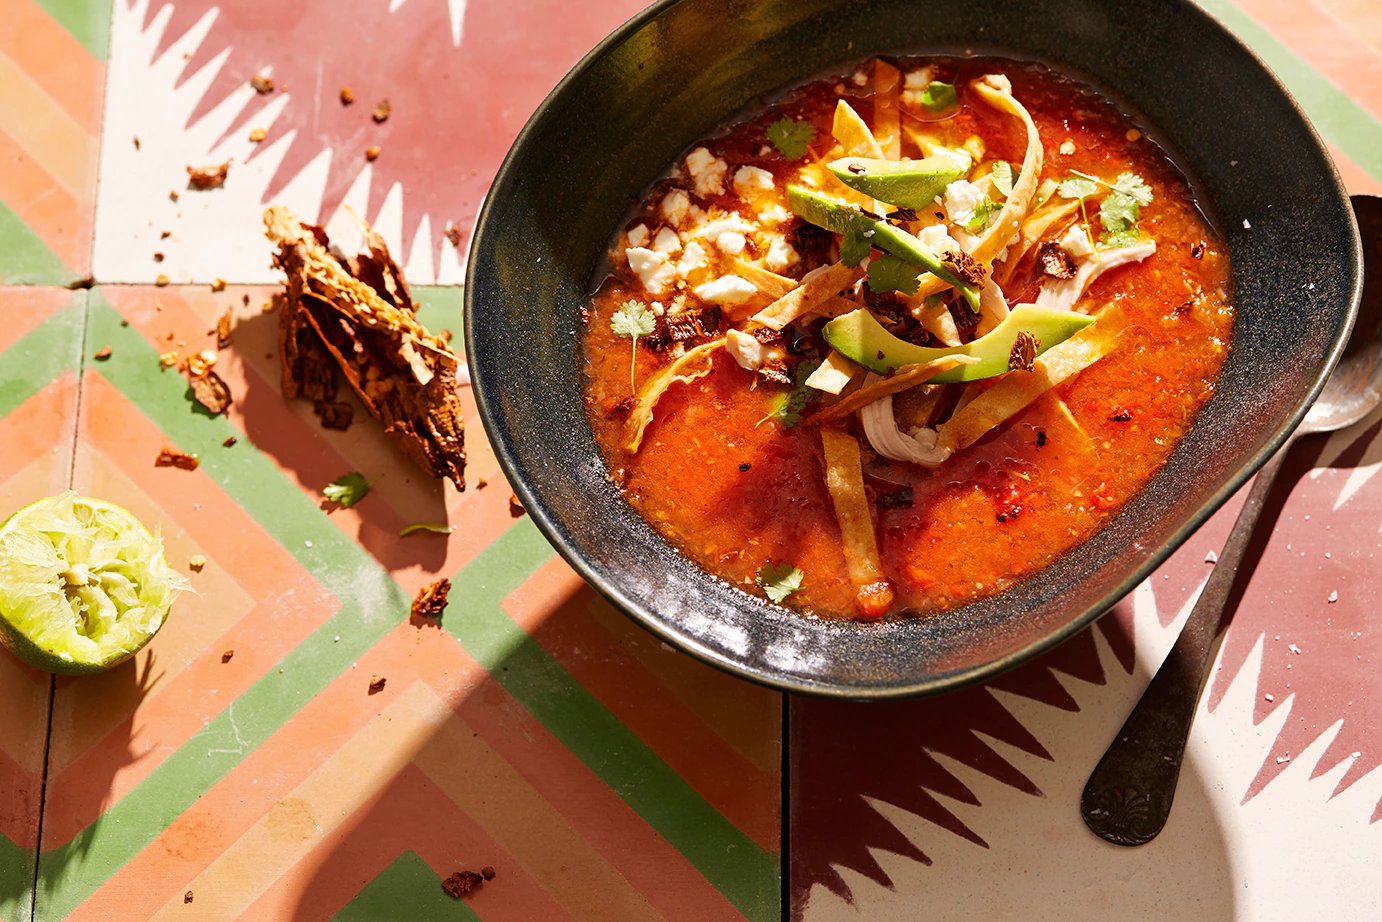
[(202, 178), (1055, 261), (431, 600), (262, 84), (1023, 355), (172, 457), (461, 883), (212, 392)]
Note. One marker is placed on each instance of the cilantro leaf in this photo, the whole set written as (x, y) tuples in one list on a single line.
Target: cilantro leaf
[(779, 580), (856, 245), (631, 321), (440, 528), (1077, 187), (939, 96), (889, 273), (982, 211), (1003, 177), (791, 138), (1118, 213), (348, 489), (1133, 186), (787, 408), (1044, 192)]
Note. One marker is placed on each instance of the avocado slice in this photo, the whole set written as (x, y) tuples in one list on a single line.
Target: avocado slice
[(904, 183), (858, 336), (850, 220)]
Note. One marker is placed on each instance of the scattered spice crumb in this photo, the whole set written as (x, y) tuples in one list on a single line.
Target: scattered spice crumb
[(1269, 697), (202, 178), (257, 135), (165, 235), (381, 111), (461, 883), (212, 392), (431, 600), (196, 562), (161, 281), (187, 897), (376, 684), (245, 300), (200, 363), (262, 84), (136, 142), (1197, 249), (745, 467), (167, 360), (172, 457), (158, 257), (229, 442), (1283, 759), (453, 233), (481, 483), (372, 152), (487, 872), (173, 194), (515, 506), (223, 329), (1211, 557), (1294, 649), (225, 657), (124, 323), (103, 353), (347, 96)]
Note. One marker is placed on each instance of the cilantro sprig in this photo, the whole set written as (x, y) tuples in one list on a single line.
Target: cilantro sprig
[(982, 212), (889, 273), (791, 137), (937, 97), (631, 321), (787, 408), (348, 489), (779, 580), (856, 245), (1120, 209)]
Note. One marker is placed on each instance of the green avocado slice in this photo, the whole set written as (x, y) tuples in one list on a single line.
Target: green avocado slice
[(858, 336), (850, 220), (904, 183)]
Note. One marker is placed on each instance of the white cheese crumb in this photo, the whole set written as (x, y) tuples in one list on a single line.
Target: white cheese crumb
[(1269, 697), (1067, 148), (727, 289), (781, 255), (775, 214), (712, 229), (658, 309), (652, 268), (1357, 755), (917, 79), (675, 206), (693, 259), (1076, 241), (667, 241), (1211, 557), (1246, 225), (961, 198), (1283, 759), (745, 350), (731, 243), (1334, 596), (1294, 649), (707, 172), (637, 235), (860, 77), (750, 180)]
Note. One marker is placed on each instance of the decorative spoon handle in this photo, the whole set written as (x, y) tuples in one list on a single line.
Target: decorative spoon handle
[(1128, 796)]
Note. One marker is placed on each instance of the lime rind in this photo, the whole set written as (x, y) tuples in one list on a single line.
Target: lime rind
[(83, 585)]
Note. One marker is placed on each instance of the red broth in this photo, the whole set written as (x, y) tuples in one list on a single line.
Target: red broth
[(735, 489)]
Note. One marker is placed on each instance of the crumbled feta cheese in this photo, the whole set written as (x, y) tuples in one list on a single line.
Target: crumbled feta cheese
[(722, 224), (781, 255), (917, 79), (1067, 147), (745, 350), (860, 77), (657, 308), (694, 258), (750, 180), (638, 235), (727, 289), (731, 243), (1246, 225), (1076, 241), (961, 198), (707, 172), (667, 241), (774, 214), (652, 268), (675, 206), (937, 239)]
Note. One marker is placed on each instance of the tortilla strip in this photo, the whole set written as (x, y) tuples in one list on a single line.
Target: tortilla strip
[(834, 374), (853, 133), (816, 288), (1033, 229), (767, 283), (906, 377), (939, 322), (996, 90), (887, 120), (835, 306), (656, 386), (844, 478), (912, 409), (1016, 390)]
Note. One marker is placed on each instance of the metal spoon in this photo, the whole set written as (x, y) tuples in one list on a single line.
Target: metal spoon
[(1128, 796)]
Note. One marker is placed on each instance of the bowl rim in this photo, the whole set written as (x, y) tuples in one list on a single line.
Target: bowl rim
[(489, 413)]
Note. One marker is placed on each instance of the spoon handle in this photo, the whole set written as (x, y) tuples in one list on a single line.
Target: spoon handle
[(1128, 796)]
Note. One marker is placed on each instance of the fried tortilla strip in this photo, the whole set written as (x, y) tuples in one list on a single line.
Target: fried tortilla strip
[(908, 376), (818, 286), (1018, 389), (405, 376), (653, 389), (834, 374), (844, 478), (767, 283)]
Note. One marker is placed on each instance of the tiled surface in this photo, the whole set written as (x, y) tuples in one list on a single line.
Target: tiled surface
[(536, 730)]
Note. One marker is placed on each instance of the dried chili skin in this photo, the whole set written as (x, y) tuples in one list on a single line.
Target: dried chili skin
[(356, 316)]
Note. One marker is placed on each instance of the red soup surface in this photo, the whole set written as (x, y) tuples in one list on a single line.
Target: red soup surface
[(682, 344)]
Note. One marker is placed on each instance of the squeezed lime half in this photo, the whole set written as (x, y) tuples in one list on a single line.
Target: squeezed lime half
[(83, 585)]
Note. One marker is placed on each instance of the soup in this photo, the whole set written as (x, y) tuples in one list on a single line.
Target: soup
[(905, 335)]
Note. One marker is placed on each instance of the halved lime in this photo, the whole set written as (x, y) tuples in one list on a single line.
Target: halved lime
[(83, 585)]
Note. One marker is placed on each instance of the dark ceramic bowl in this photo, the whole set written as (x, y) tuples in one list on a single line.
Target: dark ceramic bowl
[(668, 77)]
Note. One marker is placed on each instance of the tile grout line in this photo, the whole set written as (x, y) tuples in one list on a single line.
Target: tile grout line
[(42, 797)]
